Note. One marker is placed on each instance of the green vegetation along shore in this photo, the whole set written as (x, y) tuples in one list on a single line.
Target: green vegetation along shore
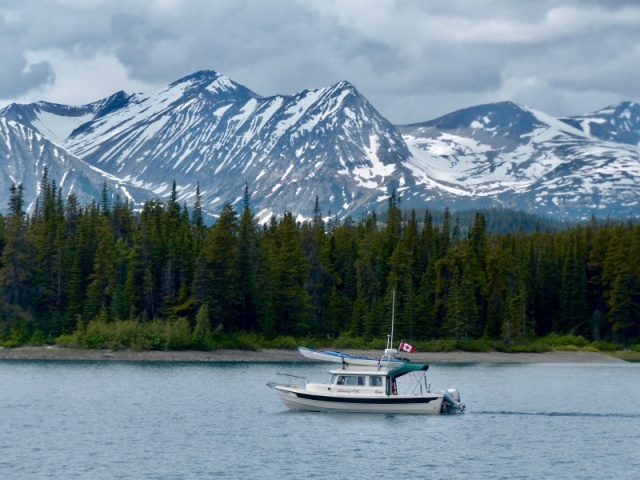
[(107, 275)]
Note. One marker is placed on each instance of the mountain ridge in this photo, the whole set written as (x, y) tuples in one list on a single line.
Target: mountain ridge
[(526, 159), (331, 143)]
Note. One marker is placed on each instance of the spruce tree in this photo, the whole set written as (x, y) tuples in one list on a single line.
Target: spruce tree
[(103, 280), (18, 269), (248, 265), (217, 277), (291, 300)]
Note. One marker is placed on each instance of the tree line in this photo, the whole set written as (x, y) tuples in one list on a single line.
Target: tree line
[(66, 266)]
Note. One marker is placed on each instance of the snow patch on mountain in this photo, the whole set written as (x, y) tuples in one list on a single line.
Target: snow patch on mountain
[(619, 123), (58, 128)]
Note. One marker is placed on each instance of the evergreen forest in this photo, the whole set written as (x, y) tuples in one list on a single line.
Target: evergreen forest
[(107, 275)]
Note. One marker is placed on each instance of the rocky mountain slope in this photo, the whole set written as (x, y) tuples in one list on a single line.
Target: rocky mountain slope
[(521, 158), (26, 153), (206, 128), (331, 143)]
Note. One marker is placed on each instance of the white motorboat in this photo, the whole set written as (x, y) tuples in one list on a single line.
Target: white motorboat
[(368, 385), (370, 389)]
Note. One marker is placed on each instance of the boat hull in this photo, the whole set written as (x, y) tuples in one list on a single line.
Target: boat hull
[(301, 399)]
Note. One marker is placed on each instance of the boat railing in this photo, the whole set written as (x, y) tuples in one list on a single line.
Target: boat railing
[(290, 381), (417, 384)]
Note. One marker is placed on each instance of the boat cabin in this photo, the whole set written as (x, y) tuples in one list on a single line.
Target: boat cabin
[(375, 382), (360, 382)]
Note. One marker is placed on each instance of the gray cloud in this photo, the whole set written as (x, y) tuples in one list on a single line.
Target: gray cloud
[(17, 75), (414, 60)]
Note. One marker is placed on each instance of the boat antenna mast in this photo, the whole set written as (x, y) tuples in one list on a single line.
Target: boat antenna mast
[(389, 351)]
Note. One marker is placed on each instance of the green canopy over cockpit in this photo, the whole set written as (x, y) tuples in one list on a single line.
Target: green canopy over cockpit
[(407, 368), (400, 371)]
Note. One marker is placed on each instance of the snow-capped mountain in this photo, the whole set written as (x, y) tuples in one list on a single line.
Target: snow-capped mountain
[(618, 123), (330, 143), (509, 155), (206, 128), (55, 121)]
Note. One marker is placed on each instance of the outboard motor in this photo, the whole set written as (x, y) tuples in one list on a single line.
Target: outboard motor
[(454, 394), (452, 397)]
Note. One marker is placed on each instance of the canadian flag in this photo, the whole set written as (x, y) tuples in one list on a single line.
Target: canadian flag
[(405, 347)]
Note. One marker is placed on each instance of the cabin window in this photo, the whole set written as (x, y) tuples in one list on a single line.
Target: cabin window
[(351, 380), (375, 381)]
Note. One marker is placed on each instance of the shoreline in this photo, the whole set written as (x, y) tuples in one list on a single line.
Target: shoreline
[(290, 356)]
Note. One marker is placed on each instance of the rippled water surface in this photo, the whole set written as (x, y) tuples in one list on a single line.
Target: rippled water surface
[(96, 420)]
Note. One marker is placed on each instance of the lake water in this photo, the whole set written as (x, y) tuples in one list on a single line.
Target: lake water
[(94, 420)]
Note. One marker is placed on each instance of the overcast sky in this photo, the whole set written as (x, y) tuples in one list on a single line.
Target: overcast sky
[(413, 59)]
